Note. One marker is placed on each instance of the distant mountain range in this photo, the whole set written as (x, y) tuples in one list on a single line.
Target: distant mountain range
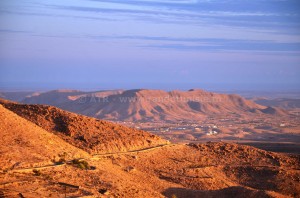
[(285, 103), (150, 105)]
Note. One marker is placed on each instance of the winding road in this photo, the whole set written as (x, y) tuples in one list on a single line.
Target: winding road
[(94, 157)]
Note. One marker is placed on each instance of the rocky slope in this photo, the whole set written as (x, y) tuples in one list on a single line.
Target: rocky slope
[(89, 134), (182, 171), (25, 144)]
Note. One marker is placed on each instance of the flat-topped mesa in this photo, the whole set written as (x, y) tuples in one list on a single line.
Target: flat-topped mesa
[(153, 105), (90, 134)]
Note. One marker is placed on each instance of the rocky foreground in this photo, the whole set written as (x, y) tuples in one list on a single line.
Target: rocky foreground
[(202, 170), (46, 152)]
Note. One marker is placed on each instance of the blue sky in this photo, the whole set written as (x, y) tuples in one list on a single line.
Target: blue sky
[(150, 44)]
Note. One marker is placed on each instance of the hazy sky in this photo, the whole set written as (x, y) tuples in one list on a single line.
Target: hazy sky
[(150, 43)]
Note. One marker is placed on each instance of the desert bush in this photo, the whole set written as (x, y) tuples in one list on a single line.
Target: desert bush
[(62, 157), (82, 164), (36, 172)]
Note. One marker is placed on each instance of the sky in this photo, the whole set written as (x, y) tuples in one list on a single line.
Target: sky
[(167, 44)]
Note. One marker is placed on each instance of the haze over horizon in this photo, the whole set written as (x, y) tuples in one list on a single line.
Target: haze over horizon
[(167, 44)]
